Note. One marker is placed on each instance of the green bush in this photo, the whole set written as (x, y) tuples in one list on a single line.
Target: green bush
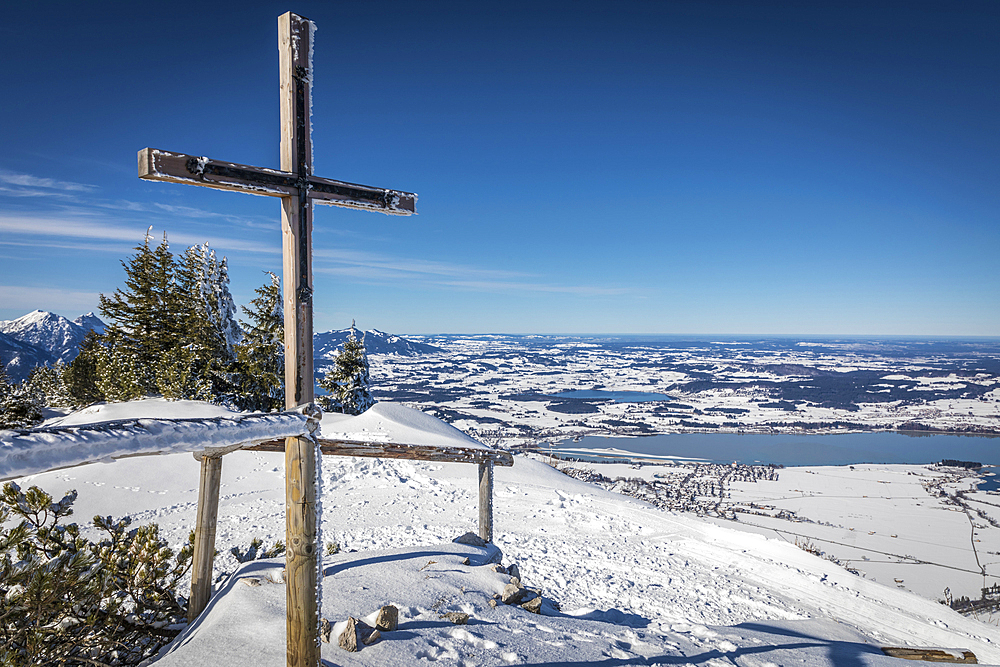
[(65, 600)]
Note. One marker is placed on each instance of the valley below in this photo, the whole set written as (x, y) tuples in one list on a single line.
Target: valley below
[(531, 391)]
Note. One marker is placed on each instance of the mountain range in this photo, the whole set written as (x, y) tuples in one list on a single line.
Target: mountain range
[(326, 344), (41, 337)]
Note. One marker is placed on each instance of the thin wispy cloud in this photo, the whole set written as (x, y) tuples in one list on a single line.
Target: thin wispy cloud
[(80, 198), (370, 267), (34, 192), (56, 232), (29, 181), (83, 232), (406, 265)]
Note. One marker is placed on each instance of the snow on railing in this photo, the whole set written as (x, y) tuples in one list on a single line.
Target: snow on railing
[(27, 452)]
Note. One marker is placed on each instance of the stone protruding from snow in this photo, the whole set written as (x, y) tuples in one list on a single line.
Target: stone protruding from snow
[(346, 633), (369, 635), (534, 605), (385, 619), (470, 539), (456, 617), (325, 630), (513, 571), (512, 594)]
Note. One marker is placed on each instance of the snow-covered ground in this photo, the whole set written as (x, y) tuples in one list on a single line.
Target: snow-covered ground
[(916, 527), (636, 585)]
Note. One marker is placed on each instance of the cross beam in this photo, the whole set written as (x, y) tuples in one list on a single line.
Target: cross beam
[(297, 187), (157, 165)]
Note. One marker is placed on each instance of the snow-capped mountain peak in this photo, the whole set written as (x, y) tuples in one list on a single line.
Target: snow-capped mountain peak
[(326, 344), (52, 333), (89, 322)]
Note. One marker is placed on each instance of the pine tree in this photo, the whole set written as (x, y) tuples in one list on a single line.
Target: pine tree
[(145, 323), (80, 375), (122, 375), (173, 330), (260, 358), (48, 383), (65, 600), (20, 407), (208, 310), (349, 381)]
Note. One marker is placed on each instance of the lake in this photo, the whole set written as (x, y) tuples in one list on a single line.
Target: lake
[(806, 450)]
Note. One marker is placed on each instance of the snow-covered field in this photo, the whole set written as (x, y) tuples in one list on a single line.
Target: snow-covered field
[(915, 527), (636, 585)]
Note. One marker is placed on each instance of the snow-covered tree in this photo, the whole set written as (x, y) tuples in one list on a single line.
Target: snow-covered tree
[(260, 357), (48, 383), (122, 374), (348, 381), (20, 407), (173, 331), (209, 311)]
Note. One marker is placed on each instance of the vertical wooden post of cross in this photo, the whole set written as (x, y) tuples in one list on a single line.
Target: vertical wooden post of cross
[(298, 189), (302, 555)]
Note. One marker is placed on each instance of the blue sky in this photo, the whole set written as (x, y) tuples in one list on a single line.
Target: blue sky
[(630, 167)]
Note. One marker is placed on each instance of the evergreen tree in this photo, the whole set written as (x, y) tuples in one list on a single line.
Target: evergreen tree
[(80, 375), (20, 407), (145, 323), (349, 381), (259, 382), (65, 600), (208, 310), (173, 330), (48, 384), (121, 372)]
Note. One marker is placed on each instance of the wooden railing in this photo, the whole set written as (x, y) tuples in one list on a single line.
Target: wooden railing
[(34, 451), (211, 476)]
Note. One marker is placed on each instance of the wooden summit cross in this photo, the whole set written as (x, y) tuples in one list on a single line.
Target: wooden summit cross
[(298, 188)]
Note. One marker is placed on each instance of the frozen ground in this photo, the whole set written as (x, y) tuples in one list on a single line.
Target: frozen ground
[(636, 585)]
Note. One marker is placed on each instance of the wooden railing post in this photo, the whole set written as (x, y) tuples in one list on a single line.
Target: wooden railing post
[(204, 535), (486, 500)]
